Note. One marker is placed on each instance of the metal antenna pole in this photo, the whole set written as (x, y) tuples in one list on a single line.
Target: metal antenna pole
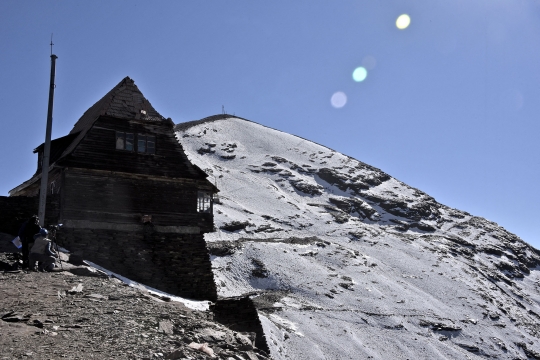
[(47, 148)]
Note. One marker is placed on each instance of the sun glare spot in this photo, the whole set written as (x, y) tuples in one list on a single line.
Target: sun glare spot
[(359, 74), (338, 100), (369, 62), (403, 21)]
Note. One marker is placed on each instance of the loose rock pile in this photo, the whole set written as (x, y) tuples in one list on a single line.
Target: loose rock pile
[(53, 315)]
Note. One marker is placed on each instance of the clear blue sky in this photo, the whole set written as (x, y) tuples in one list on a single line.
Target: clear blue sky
[(452, 105)]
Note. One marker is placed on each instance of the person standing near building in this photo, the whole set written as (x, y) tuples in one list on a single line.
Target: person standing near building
[(26, 233)]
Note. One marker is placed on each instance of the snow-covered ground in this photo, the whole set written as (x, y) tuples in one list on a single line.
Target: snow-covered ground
[(346, 262), (190, 304)]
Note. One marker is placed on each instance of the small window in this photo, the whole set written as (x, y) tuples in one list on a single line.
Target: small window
[(124, 141), (151, 144), (204, 202), (141, 145), (129, 142), (120, 140), (146, 144)]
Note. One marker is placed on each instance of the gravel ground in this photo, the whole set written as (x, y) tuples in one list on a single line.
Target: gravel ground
[(63, 315)]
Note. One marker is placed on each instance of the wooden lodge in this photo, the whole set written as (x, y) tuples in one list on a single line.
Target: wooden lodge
[(128, 197)]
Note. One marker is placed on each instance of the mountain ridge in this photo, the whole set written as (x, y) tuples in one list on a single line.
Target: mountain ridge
[(367, 233)]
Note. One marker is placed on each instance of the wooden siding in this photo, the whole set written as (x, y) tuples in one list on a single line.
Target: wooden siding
[(55, 176), (98, 150), (123, 198)]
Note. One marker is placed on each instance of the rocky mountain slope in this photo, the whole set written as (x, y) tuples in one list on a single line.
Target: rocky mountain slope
[(346, 262)]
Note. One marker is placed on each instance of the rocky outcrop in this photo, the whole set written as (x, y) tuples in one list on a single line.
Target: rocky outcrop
[(423, 208), (306, 188), (354, 205), (234, 225), (355, 183)]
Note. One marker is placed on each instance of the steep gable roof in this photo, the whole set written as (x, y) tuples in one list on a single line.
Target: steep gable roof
[(124, 101)]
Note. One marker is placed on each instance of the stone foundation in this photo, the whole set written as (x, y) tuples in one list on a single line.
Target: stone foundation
[(173, 259), (17, 209), (239, 314), (175, 263)]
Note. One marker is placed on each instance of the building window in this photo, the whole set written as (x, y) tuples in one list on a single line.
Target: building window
[(124, 141), (204, 202), (146, 144)]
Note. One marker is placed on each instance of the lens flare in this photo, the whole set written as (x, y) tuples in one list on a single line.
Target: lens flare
[(338, 100), (369, 62), (403, 21), (359, 74)]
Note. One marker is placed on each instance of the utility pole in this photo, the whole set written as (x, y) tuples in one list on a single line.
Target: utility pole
[(47, 148)]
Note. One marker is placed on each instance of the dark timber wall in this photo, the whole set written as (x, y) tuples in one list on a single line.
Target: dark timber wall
[(98, 150), (113, 197), (53, 186)]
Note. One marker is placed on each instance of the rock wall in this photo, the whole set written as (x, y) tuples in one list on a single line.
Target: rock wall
[(17, 209), (240, 314), (175, 263)]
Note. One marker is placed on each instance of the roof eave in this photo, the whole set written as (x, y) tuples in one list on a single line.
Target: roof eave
[(32, 180)]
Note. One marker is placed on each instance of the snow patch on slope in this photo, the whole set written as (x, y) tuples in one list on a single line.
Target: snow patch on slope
[(191, 304)]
